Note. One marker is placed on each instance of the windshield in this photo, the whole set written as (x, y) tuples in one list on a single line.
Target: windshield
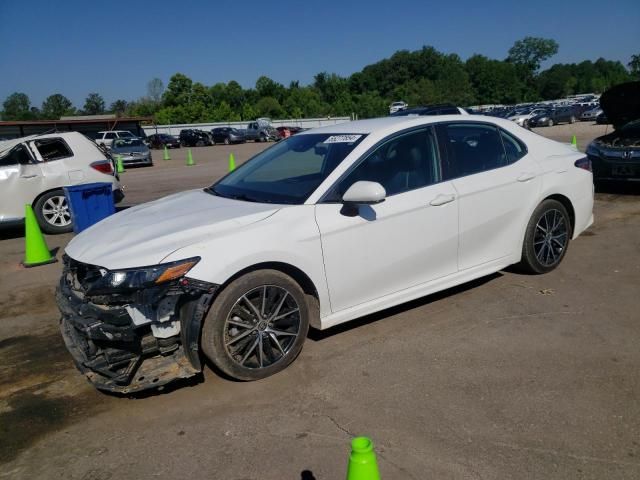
[(289, 171), (124, 143)]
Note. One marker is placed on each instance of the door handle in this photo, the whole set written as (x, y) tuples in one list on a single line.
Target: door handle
[(28, 176), (525, 177), (442, 200)]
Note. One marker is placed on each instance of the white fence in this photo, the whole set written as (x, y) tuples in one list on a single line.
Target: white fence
[(295, 122)]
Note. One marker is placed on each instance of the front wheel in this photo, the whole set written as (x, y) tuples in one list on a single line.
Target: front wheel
[(52, 212), (550, 123), (547, 237), (226, 141), (256, 326)]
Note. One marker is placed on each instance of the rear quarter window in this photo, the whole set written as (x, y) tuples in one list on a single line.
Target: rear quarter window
[(513, 147)]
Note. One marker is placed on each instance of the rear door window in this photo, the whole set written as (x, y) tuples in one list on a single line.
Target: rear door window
[(53, 149), (471, 148)]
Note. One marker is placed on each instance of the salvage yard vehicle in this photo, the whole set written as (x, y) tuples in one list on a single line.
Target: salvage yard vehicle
[(132, 151), (194, 138), (397, 106), (261, 131), (161, 140), (554, 116), (33, 170), (324, 227), (227, 135), (616, 156), (106, 138)]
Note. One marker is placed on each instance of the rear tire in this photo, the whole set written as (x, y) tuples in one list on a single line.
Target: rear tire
[(572, 119), (256, 326), (52, 213), (226, 141), (547, 238), (550, 123)]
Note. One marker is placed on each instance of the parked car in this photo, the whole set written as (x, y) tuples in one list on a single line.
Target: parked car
[(34, 169), (161, 140), (132, 151), (397, 106), (522, 118), (106, 138), (590, 115), (554, 116), (602, 119), (326, 226), (194, 138), (616, 156), (261, 131), (440, 109), (228, 135)]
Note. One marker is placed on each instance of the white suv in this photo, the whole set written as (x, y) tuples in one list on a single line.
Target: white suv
[(106, 138), (34, 169), (397, 106)]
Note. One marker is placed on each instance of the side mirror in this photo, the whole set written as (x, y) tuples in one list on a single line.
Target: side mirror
[(364, 193)]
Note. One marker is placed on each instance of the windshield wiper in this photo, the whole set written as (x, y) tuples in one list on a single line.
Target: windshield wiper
[(240, 196)]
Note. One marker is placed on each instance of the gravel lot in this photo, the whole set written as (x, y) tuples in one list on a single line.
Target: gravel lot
[(511, 376)]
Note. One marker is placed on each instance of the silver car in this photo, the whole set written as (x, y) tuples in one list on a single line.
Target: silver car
[(132, 150), (590, 115)]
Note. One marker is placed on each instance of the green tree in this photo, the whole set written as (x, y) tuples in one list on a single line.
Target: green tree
[(119, 107), (269, 107), (178, 91), (56, 106), (17, 106), (634, 66), (531, 51), (94, 104)]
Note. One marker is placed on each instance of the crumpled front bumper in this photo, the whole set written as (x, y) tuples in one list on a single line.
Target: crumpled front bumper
[(117, 355)]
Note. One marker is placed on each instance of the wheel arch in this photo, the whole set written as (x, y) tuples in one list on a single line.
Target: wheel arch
[(43, 193), (566, 202), (298, 275)]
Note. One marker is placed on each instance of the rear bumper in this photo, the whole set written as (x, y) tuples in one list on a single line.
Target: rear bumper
[(118, 355), (617, 170)]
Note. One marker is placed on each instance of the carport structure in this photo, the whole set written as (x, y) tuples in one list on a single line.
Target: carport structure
[(90, 125)]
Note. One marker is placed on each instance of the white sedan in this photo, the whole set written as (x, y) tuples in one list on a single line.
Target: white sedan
[(322, 228)]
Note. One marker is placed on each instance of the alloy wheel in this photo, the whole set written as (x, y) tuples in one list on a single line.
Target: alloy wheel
[(551, 237), (56, 211), (261, 327)]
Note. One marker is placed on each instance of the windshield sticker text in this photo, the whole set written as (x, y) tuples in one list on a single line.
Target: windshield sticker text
[(342, 138)]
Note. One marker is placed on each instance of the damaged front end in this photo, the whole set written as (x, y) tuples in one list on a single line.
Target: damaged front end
[(133, 329)]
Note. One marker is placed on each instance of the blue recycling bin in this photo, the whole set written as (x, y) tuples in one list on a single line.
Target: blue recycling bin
[(89, 203)]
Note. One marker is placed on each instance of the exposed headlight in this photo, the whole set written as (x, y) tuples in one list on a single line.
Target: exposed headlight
[(144, 277), (593, 150)]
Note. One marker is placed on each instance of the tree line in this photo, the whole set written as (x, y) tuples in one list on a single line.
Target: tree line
[(419, 77)]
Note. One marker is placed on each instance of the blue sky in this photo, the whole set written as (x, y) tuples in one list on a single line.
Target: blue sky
[(116, 47)]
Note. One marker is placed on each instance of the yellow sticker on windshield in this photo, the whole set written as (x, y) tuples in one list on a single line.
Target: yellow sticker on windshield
[(342, 138)]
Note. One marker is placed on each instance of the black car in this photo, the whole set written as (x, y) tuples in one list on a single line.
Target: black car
[(228, 135), (554, 116), (194, 138), (160, 140), (616, 156), (441, 109)]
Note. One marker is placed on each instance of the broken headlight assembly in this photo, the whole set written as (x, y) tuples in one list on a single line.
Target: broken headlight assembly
[(129, 279)]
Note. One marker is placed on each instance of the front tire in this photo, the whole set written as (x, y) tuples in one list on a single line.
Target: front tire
[(52, 213), (256, 326), (550, 123), (547, 238)]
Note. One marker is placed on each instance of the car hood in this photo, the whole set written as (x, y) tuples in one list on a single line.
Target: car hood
[(621, 104), (146, 234)]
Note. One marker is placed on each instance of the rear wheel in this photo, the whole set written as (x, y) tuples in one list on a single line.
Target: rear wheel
[(256, 326), (547, 237), (572, 119), (52, 212), (550, 123), (226, 141)]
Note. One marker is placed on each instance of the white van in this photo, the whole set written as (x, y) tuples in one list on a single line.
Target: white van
[(34, 169)]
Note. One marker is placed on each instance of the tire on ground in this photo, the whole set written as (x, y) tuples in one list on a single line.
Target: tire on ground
[(213, 329), (42, 221), (530, 262)]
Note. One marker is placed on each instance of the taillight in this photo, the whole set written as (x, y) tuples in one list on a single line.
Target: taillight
[(103, 166), (584, 163)]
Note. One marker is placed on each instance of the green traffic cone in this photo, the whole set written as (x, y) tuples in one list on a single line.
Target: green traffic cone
[(166, 154), (362, 461), (574, 141), (119, 164), (36, 251), (190, 161), (232, 162)]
